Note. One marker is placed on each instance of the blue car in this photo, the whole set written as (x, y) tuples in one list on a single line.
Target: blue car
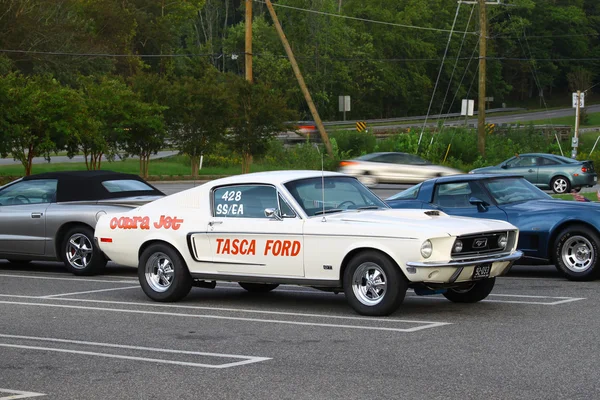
[(560, 232)]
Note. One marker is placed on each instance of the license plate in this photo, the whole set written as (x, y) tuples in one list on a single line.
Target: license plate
[(482, 271)]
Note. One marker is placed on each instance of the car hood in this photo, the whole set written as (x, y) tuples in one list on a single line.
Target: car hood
[(419, 222), (552, 206)]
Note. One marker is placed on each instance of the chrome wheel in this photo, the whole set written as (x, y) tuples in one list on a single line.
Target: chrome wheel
[(79, 251), (560, 185), (369, 283), (578, 254), (159, 272)]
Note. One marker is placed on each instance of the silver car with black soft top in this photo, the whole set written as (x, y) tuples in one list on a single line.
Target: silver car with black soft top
[(52, 216)]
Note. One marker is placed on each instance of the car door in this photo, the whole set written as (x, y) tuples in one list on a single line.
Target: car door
[(23, 216), (546, 170), (244, 240), (527, 166), (454, 199)]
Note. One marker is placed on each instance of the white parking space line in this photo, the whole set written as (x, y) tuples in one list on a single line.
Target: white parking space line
[(67, 279), (17, 394), (555, 300), (421, 324), (88, 292), (244, 359)]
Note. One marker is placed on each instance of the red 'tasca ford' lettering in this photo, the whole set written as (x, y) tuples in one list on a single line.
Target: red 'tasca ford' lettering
[(236, 246), (282, 248)]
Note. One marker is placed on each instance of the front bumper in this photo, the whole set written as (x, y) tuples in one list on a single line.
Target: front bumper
[(459, 270)]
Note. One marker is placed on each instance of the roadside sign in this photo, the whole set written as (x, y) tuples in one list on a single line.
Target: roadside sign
[(575, 142), (344, 103), (361, 126), (467, 107), (581, 100)]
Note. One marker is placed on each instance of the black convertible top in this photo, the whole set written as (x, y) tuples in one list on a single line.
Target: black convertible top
[(87, 185)]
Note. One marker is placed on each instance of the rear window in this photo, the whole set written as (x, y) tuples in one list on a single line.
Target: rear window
[(126, 185)]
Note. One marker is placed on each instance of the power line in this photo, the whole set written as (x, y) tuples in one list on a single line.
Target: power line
[(424, 28), (59, 53), (544, 36)]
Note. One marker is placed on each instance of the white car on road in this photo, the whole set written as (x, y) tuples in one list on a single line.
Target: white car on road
[(324, 230)]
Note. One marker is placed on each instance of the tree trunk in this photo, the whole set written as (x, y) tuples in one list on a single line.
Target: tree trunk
[(195, 166), (246, 162), (147, 162)]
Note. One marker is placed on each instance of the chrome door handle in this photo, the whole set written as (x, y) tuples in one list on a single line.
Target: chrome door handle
[(36, 215), (211, 223), (531, 170)]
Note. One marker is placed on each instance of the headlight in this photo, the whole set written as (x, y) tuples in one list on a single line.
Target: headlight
[(426, 249), (458, 246), (502, 241)]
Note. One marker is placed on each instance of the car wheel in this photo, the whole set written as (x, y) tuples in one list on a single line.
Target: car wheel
[(560, 185), (80, 254), (367, 179), (163, 274), (476, 292), (373, 284), (576, 253), (258, 287)]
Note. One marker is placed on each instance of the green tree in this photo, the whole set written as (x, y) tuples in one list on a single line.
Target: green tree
[(258, 114)]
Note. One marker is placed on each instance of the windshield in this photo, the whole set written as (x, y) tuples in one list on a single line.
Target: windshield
[(409, 194), (513, 190), (341, 193)]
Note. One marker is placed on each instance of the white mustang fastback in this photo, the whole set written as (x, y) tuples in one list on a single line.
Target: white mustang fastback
[(324, 230)]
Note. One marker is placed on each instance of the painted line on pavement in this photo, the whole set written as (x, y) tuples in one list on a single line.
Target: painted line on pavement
[(18, 394), (245, 359), (88, 292), (422, 324), (66, 279)]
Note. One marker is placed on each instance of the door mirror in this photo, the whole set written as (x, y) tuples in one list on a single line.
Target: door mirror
[(504, 166), (273, 213), (481, 205)]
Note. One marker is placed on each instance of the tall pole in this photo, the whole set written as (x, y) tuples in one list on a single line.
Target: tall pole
[(482, 77), (577, 116), (290, 54), (248, 56)]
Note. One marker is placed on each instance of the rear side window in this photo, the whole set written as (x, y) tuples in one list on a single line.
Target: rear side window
[(244, 201), (126, 185)]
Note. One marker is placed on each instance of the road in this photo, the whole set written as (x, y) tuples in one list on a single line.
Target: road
[(66, 337)]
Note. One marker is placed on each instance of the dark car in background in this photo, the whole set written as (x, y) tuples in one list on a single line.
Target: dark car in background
[(393, 167), (564, 233), (547, 171), (52, 216)]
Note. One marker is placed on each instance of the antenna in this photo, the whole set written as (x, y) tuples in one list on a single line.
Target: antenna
[(322, 182)]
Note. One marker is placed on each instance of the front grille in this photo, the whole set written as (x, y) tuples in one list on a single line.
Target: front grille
[(483, 243)]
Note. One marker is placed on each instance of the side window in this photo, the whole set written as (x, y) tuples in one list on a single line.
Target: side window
[(243, 201), (547, 161), (29, 192), (457, 195), (286, 210)]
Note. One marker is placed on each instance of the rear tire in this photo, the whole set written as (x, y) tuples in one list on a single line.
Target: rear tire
[(163, 274), (479, 291), (80, 254), (373, 284), (258, 287), (576, 253), (560, 185)]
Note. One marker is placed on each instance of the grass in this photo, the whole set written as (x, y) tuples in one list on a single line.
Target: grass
[(589, 196)]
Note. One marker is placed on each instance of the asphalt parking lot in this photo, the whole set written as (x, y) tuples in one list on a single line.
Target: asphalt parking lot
[(65, 337)]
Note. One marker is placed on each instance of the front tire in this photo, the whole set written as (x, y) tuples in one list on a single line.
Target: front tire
[(373, 284), (479, 291), (576, 253), (163, 274), (258, 287), (80, 254), (560, 185)]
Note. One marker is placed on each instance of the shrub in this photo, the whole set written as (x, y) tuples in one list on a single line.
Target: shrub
[(354, 143)]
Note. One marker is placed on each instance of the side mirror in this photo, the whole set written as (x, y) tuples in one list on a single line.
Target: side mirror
[(504, 166), (481, 205), (273, 213)]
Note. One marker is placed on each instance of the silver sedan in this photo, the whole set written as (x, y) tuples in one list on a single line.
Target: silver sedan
[(52, 216), (393, 167)]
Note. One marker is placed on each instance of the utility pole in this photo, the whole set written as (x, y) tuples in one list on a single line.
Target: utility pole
[(307, 96), (482, 77), (248, 55), (577, 117)]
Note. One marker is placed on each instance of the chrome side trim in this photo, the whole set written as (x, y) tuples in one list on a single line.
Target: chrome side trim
[(465, 263)]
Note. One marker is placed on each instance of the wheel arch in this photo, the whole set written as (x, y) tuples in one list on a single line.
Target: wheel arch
[(351, 254), (151, 242), (561, 227), (62, 231)]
